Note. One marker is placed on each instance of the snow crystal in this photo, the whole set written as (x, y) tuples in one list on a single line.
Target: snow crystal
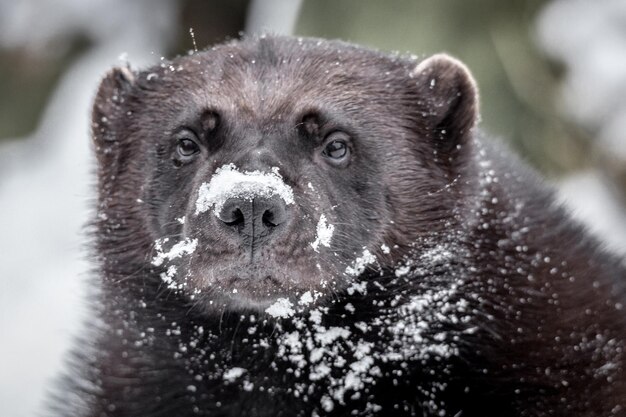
[(316, 355), (168, 276), (361, 325), (315, 316), (417, 317), (360, 287), (228, 182), (306, 298), (402, 270), (319, 371), (360, 263), (357, 375), (184, 247), (327, 404), (326, 337), (233, 373), (281, 308), (324, 233), (437, 254)]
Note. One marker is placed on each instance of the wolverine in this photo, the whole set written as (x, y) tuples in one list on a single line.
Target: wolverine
[(304, 227)]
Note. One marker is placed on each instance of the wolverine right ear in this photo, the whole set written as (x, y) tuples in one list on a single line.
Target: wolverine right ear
[(108, 105), (448, 101)]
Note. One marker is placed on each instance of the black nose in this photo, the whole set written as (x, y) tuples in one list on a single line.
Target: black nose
[(255, 220)]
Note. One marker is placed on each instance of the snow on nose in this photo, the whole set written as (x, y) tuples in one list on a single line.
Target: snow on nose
[(228, 183)]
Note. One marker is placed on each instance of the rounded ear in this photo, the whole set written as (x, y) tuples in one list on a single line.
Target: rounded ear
[(108, 105), (449, 101)]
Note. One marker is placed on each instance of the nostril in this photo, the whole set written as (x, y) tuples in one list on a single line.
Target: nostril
[(233, 217), (253, 220), (274, 214), (269, 220)]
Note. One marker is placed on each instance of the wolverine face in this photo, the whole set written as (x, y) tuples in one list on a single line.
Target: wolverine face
[(272, 172)]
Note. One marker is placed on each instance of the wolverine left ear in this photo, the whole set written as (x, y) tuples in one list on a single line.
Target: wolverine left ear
[(108, 104), (107, 115), (448, 101)]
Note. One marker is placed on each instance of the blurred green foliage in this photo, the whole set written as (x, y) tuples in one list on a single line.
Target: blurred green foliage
[(26, 81), (494, 38), (518, 85)]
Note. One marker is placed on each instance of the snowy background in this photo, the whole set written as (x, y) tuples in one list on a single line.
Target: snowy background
[(553, 82)]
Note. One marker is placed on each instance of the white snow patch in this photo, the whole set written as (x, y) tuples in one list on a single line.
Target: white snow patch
[(315, 317), (357, 375), (402, 270), (319, 371), (362, 326), (168, 276), (360, 287), (417, 318), (385, 249), (327, 403), (228, 182), (306, 298), (360, 263), (184, 247), (282, 308), (233, 373), (324, 233), (437, 254), (316, 355), (328, 336)]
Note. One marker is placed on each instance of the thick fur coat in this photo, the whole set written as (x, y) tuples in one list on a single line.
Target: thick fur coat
[(452, 284)]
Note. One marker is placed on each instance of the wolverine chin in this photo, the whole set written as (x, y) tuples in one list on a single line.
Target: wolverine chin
[(253, 288), (277, 305)]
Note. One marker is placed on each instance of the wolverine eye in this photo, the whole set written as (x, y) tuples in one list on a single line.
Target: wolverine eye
[(336, 148), (187, 147)]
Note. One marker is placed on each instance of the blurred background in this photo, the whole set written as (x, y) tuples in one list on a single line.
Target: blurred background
[(552, 77)]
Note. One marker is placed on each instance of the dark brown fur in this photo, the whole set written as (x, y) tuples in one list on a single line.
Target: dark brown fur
[(530, 305)]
